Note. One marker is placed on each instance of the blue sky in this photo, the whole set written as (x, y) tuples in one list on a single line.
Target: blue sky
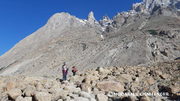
[(20, 18)]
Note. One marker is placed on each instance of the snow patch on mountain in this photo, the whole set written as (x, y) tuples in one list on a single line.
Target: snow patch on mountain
[(82, 21)]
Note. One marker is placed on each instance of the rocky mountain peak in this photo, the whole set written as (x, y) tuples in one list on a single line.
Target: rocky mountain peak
[(118, 14), (92, 21), (147, 6), (105, 21), (66, 20), (59, 17), (91, 18), (106, 17)]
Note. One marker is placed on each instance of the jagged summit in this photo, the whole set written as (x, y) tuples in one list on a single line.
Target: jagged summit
[(148, 6), (162, 7), (92, 21), (91, 18), (68, 20), (105, 21)]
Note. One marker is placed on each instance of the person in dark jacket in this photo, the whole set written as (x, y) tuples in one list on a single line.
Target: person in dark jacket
[(74, 70)]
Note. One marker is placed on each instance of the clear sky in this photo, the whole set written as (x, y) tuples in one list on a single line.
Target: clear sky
[(20, 18)]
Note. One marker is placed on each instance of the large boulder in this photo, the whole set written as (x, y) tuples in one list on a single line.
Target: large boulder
[(48, 84), (150, 80), (70, 89), (85, 95), (59, 94), (31, 80), (29, 90), (124, 78), (10, 85), (88, 79), (22, 85), (102, 97), (56, 94), (39, 86), (64, 94), (80, 99), (14, 93), (42, 96), (77, 79), (86, 87), (94, 73), (103, 70), (96, 91), (74, 95), (55, 86), (20, 98), (111, 85), (88, 96)]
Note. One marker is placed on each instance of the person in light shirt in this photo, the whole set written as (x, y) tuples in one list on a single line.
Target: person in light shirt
[(64, 71)]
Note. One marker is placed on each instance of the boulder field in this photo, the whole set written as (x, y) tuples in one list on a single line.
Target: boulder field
[(155, 82)]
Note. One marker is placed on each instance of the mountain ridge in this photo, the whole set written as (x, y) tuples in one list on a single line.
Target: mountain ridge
[(130, 38)]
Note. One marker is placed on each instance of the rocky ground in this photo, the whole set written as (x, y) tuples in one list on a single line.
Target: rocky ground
[(99, 84)]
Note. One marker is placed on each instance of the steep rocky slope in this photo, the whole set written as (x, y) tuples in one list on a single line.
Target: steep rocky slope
[(147, 33)]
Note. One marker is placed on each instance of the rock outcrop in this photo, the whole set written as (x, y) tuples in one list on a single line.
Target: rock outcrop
[(92, 21), (148, 6), (105, 21)]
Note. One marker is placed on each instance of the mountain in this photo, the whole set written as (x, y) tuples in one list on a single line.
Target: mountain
[(168, 7), (146, 34)]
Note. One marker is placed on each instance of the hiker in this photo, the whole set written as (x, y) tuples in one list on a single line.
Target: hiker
[(64, 71), (74, 70)]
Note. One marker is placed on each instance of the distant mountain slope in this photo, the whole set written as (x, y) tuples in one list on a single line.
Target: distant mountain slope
[(144, 34)]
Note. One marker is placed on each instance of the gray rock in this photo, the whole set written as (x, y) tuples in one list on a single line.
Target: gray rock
[(106, 85), (105, 21), (92, 21), (43, 96), (102, 97), (14, 93), (80, 99)]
